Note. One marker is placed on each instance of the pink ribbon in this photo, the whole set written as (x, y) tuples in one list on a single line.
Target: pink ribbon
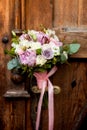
[(42, 82)]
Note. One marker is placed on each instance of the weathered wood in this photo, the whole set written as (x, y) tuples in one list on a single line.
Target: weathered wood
[(81, 119), (13, 93), (17, 9), (71, 35), (65, 13), (12, 112), (23, 18), (37, 13), (27, 14), (70, 100)]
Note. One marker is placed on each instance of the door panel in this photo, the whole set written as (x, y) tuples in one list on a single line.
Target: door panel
[(68, 19)]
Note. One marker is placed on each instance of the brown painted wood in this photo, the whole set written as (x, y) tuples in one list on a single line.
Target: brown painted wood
[(27, 14), (78, 36), (70, 101), (12, 111), (65, 13), (37, 13)]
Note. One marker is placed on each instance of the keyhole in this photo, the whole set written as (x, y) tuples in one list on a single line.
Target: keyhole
[(73, 83)]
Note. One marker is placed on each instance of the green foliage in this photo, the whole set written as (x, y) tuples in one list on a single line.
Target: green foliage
[(38, 51), (14, 63), (73, 48), (15, 38), (11, 52), (63, 58)]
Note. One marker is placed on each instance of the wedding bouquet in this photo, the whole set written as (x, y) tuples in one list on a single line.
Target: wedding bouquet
[(37, 53)]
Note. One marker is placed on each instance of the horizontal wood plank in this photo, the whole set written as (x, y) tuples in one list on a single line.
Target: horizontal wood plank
[(68, 35)]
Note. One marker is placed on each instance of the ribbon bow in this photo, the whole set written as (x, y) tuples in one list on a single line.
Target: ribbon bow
[(42, 82)]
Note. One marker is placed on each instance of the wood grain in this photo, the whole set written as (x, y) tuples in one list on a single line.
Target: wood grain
[(65, 13), (37, 13), (75, 36), (28, 14), (12, 112)]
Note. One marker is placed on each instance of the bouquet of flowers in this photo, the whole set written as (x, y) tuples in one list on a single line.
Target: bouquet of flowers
[(36, 52)]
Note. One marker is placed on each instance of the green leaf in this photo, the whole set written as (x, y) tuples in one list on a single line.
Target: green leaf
[(13, 64), (15, 40), (10, 52), (63, 58), (74, 48), (6, 51), (13, 34), (38, 51)]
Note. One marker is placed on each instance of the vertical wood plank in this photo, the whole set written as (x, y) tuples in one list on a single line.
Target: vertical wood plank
[(18, 115), (70, 101), (23, 20), (37, 13), (80, 4), (65, 13), (17, 14), (28, 116), (82, 13), (4, 76), (12, 112)]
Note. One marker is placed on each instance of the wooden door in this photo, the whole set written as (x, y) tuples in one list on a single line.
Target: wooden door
[(69, 20)]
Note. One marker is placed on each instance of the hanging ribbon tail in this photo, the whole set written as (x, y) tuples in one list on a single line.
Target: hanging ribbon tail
[(42, 80), (50, 105), (39, 108)]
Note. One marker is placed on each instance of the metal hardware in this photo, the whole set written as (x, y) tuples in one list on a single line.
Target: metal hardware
[(5, 39), (36, 90), (16, 77), (14, 93)]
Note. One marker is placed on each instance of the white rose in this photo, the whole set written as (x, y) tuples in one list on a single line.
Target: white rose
[(45, 46), (55, 49), (40, 60), (35, 45), (24, 43)]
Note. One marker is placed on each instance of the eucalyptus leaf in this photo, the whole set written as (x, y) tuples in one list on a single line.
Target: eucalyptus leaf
[(12, 64), (63, 58), (74, 48)]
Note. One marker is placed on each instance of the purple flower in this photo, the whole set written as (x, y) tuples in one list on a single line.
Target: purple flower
[(42, 38), (47, 53), (57, 43), (25, 37), (28, 57)]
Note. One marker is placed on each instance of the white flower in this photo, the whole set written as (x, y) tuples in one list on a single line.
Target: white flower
[(35, 45), (40, 60), (65, 54), (51, 33), (46, 46), (18, 49), (32, 32), (24, 44), (55, 49), (14, 45)]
